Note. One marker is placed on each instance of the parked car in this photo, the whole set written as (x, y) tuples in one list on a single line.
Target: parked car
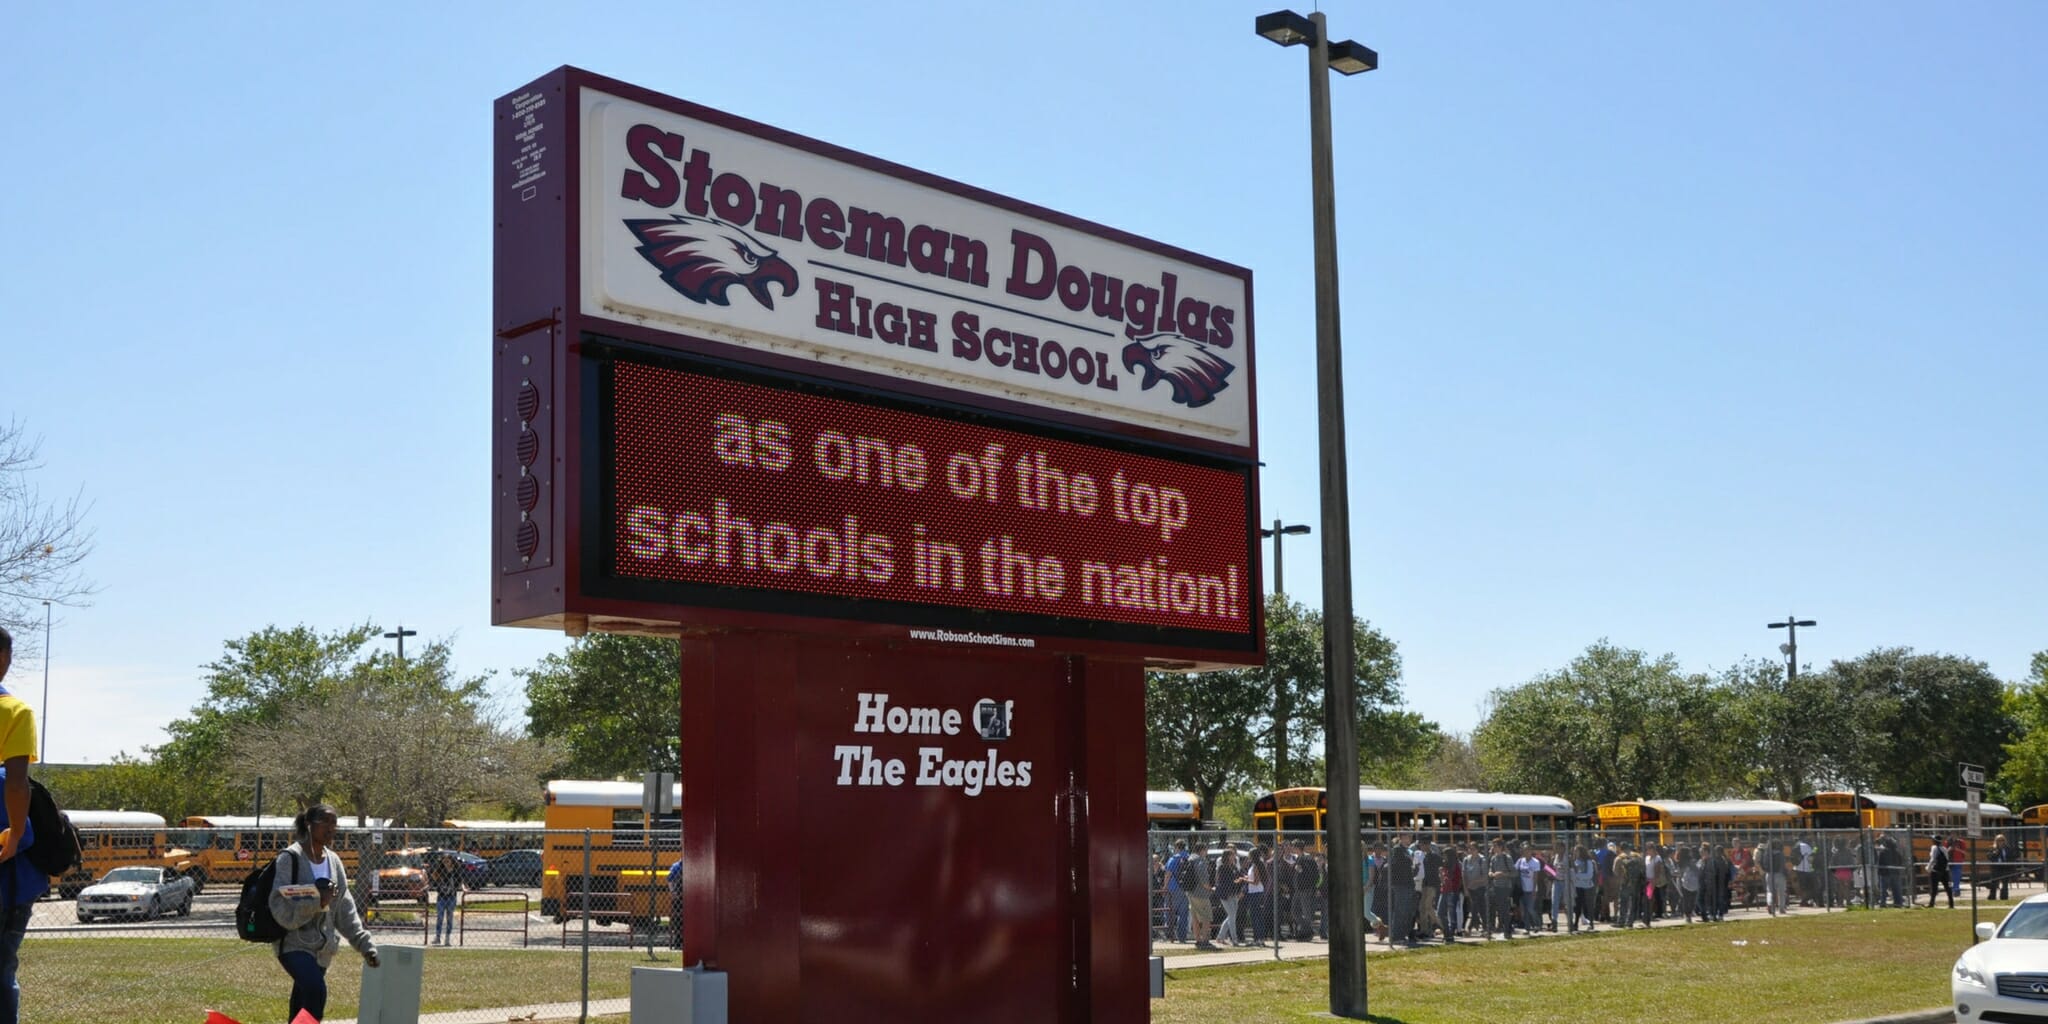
[(401, 876), (2005, 975), (136, 891), (514, 868), (471, 867)]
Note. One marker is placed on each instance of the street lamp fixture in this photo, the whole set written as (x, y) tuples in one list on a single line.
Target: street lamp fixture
[(1791, 646), (1278, 531), (1286, 28), (400, 636), (1350, 58)]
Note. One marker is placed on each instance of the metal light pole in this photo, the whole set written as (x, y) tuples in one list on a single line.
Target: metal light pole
[(1278, 531), (1340, 740), (400, 637), (1791, 648), (43, 754)]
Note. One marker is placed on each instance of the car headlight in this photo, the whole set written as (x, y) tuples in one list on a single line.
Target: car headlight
[(1968, 974)]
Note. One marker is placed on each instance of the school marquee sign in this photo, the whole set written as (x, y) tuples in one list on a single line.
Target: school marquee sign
[(746, 377)]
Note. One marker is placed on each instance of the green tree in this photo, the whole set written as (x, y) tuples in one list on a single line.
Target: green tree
[(1613, 725), (404, 740), (1928, 712), (1204, 731), (1453, 764), (126, 783), (1195, 732), (2022, 781), (1398, 750), (1293, 676), (256, 681), (1793, 734), (612, 703)]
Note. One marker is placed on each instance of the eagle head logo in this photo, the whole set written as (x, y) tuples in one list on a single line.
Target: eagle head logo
[(1195, 370), (703, 258)]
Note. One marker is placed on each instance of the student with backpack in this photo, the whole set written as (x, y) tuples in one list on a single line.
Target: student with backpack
[(21, 884), (310, 900), (1177, 882)]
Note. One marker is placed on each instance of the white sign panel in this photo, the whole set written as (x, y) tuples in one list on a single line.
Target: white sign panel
[(705, 229)]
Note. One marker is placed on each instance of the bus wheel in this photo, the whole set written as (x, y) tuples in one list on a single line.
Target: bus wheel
[(198, 877), (550, 907)]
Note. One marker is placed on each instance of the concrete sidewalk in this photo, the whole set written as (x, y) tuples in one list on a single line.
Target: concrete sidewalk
[(500, 1014)]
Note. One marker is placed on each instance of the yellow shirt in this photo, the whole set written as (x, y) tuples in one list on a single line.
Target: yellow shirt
[(17, 728)]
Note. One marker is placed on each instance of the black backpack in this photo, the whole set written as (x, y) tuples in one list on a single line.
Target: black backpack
[(56, 850), (1184, 872), (253, 920)]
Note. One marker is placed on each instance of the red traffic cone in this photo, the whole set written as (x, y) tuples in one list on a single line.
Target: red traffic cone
[(217, 1017), (305, 1017)]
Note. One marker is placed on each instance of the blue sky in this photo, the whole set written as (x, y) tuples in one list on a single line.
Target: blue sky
[(1661, 321)]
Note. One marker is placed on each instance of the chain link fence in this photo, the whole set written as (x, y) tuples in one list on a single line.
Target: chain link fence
[(513, 923), (1266, 894), (552, 923)]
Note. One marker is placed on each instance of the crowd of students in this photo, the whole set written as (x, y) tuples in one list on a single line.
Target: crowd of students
[(1417, 889)]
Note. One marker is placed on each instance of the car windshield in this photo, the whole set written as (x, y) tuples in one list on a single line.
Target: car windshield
[(131, 875), (402, 860), (2028, 921)]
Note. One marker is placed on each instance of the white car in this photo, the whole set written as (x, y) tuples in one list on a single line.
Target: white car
[(136, 892), (2005, 976)]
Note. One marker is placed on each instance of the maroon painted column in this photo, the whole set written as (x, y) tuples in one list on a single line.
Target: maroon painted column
[(740, 888), (1111, 712)]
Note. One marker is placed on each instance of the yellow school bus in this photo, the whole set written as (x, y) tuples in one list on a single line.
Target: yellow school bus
[(1924, 817), (226, 847), (1450, 814), (1665, 821), (1176, 810), (629, 855), (113, 839), (489, 837)]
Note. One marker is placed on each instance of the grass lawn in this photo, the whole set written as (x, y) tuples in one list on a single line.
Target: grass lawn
[(1807, 970), (175, 980)]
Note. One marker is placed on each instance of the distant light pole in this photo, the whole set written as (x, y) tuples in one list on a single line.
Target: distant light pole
[(400, 636), (43, 755), (1340, 738), (1791, 645), (1278, 531)]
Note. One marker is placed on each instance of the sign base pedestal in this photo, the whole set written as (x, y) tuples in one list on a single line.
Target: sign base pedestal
[(880, 833)]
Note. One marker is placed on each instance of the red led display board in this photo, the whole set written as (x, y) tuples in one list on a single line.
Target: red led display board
[(731, 489)]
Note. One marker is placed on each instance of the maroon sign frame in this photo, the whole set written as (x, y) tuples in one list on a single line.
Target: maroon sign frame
[(544, 564)]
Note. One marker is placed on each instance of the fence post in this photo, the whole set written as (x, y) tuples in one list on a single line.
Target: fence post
[(584, 1016)]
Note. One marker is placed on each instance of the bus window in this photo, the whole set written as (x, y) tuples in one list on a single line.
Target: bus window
[(628, 827), (1297, 823)]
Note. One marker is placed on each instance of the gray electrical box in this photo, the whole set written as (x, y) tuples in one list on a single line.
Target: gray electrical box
[(673, 995), (391, 990)]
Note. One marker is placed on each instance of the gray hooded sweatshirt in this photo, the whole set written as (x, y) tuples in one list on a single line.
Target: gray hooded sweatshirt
[(308, 928)]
